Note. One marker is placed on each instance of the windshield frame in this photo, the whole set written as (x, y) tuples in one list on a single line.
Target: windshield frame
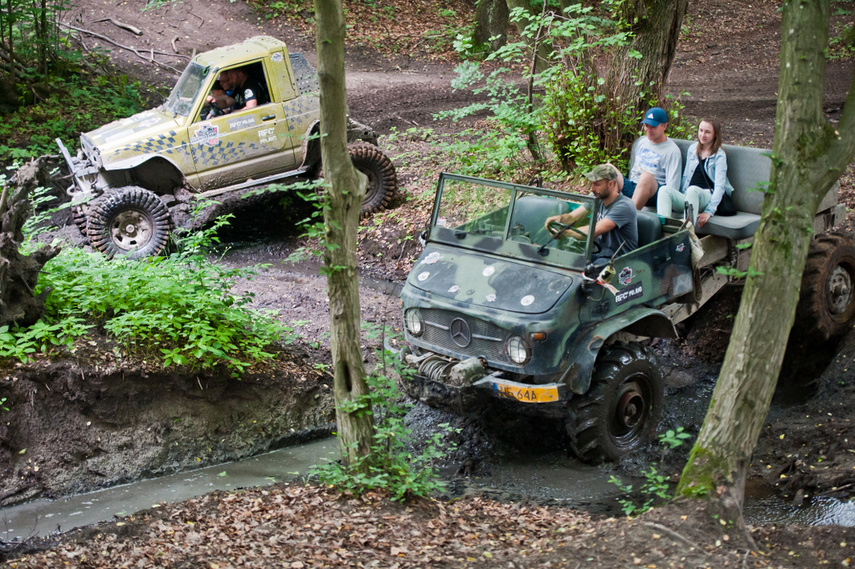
[(501, 242), (183, 106)]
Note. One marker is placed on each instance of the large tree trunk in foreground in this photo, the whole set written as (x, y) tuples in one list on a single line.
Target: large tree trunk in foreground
[(19, 273), (809, 155), (345, 189), (657, 30)]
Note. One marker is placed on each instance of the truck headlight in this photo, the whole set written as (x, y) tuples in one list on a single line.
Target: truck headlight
[(518, 350), (414, 321)]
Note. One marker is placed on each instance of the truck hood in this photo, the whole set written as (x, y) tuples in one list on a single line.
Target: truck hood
[(481, 280), (136, 128)]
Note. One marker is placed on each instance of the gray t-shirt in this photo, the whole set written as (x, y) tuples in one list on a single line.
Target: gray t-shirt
[(663, 160), (622, 212)]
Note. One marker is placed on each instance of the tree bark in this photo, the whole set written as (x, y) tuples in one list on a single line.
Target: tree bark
[(491, 21), (345, 189), (656, 26), (809, 155), (19, 273)]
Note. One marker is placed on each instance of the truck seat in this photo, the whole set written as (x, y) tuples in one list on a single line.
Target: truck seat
[(649, 228), (531, 212)]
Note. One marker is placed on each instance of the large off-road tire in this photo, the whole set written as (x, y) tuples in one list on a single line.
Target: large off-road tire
[(78, 215), (129, 221), (620, 411), (826, 306), (382, 179)]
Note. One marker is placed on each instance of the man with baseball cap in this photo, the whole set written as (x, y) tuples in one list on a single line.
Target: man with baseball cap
[(658, 162), (615, 229)]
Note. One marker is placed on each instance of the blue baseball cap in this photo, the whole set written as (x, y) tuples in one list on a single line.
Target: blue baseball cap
[(655, 117)]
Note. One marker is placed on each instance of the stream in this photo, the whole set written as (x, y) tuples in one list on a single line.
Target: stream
[(550, 478)]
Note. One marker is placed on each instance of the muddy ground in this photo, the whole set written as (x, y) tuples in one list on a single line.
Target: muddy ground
[(89, 420)]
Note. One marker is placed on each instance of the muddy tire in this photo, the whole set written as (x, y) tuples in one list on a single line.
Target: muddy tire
[(129, 221), (827, 302), (78, 215), (620, 411), (382, 179)]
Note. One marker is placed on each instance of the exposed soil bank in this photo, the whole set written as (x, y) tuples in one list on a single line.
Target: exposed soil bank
[(94, 420)]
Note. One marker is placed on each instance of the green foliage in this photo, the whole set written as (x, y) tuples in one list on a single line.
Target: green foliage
[(176, 310), (841, 41), (73, 106), (673, 439), (3, 404), (573, 111), (655, 489), (736, 274), (390, 466)]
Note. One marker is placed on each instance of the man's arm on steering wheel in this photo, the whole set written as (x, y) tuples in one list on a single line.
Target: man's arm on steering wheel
[(566, 218)]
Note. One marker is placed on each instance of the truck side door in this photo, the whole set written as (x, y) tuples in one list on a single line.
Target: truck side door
[(243, 143)]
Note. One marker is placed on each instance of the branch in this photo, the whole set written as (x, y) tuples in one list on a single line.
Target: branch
[(843, 149), (676, 536), (131, 49), (133, 29)]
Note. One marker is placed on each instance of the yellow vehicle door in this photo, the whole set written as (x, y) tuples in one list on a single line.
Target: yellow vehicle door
[(242, 144)]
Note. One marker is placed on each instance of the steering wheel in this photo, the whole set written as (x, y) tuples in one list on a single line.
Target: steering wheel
[(559, 229), (210, 111)]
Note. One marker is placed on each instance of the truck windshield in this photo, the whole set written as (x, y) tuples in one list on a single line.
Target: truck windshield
[(486, 214), (188, 89)]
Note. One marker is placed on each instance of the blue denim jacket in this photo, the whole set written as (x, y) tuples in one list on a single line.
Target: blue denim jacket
[(716, 168)]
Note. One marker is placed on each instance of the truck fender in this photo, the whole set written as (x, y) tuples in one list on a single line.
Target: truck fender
[(135, 161), (640, 320), (312, 146), (151, 171)]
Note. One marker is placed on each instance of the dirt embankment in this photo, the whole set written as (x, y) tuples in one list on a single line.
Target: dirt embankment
[(93, 420)]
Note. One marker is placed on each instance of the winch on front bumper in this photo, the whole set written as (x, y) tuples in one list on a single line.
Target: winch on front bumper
[(440, 380)]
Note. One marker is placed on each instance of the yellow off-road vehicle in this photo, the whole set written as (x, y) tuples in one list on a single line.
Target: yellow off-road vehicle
[(135, 179)]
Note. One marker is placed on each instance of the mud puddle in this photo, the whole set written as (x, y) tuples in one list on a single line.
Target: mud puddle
[(545, 478), (42, 517)]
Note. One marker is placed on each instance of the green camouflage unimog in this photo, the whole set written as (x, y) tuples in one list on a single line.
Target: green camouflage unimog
[(136, 178), (497, 308)]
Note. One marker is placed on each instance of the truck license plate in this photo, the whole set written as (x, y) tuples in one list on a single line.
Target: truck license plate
[(527, 394)]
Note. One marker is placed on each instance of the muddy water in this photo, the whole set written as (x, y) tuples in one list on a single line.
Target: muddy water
[(546, 478), (41, 517)]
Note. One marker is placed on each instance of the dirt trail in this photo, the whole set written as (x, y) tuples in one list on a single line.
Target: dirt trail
[(728, 68)]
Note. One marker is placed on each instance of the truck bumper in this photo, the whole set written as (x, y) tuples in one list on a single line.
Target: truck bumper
[(438, 380)]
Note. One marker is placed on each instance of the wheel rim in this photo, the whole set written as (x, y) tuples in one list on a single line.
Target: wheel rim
[(373, 183), (630, 413), (839, 291), (131, 229)]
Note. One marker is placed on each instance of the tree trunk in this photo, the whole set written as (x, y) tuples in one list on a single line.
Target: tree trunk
[(19, 273), (656, 25), (542, 48), (344, 193), (808, 157), (491, 21)]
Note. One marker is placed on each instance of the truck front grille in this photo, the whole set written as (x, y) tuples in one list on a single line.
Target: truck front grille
[(484, 339)]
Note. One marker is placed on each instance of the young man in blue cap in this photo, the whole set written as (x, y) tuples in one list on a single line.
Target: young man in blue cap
[(658, 162)]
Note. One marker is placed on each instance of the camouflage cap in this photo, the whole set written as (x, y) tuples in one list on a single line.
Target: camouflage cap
[(602, 172)]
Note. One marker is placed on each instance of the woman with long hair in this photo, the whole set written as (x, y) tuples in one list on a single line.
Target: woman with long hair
[(705, 184)]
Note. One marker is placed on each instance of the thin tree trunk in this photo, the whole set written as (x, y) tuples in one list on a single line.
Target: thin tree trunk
[(43, 38), (344, 193), (656, 30), (9, 14), (808, 157)]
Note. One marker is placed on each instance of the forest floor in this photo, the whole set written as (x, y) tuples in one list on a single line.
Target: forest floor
[(727, 60)]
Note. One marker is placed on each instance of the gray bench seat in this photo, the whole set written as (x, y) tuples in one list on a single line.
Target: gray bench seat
[(748, 170)]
